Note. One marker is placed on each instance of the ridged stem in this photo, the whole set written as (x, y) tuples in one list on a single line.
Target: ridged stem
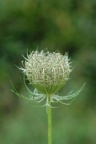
[(49, 112)]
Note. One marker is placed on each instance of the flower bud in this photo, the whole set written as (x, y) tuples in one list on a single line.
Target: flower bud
[(48, 72)]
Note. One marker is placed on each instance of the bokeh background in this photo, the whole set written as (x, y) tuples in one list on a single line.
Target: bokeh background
[(64, 26)]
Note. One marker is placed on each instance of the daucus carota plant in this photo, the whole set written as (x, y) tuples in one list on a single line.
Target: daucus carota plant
[(47, 73)]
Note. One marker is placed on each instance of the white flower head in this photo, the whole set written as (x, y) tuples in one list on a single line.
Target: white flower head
[(48, 72)]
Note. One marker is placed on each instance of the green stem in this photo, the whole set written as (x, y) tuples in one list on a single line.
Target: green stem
[(49, 122)]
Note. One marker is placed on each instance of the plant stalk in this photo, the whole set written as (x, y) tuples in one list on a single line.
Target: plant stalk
[(49, 112)]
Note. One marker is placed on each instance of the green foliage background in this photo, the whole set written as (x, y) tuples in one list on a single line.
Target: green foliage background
[(64, 26)]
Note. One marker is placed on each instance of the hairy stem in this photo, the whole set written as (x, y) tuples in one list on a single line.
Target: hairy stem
[(49, 122)]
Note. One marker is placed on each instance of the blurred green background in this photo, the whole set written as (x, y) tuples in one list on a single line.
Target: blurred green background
[(64, 26)]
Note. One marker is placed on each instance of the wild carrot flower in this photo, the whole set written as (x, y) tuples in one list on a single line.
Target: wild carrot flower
[(47, 73)]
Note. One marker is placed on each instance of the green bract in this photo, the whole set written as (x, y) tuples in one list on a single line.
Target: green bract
[(48, 72)]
